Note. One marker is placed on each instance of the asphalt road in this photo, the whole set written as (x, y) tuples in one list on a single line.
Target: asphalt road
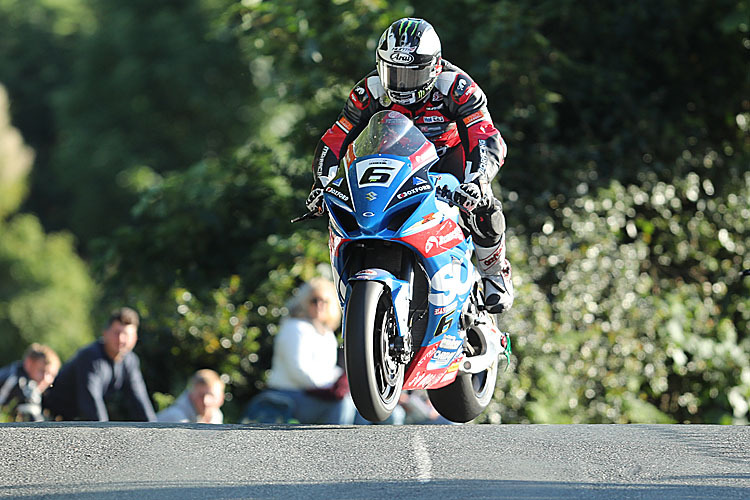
[(147, 461)]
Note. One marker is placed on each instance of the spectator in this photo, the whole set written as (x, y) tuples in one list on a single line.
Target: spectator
[(102, 376), (200, 403), (305, 378), (23, 382)]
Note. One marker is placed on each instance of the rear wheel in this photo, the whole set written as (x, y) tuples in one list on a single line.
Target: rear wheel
[(467, 396), (375, 376)]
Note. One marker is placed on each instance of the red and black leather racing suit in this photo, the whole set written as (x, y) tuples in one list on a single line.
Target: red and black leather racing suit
[(454, 117)]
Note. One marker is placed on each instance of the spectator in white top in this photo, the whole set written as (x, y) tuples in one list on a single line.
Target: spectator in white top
[(200, 403), (304, 373)]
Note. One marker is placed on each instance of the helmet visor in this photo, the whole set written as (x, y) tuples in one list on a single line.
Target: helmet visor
[(405, 78)]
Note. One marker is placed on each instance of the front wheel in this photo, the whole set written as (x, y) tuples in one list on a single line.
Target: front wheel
[(467, 396), (375, 376)]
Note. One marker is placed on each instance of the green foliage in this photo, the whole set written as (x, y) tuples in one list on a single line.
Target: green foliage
[(45, 289), (162, 401), (156, 85), (15, 162), (36, 39), (306, 55), (645, 314)]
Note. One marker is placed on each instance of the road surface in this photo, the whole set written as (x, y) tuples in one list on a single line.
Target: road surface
[(149, 461)]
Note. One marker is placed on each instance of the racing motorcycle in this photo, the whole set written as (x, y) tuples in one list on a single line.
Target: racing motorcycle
[(412, 299)]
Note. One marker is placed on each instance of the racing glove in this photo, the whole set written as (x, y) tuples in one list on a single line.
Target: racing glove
[(470, 195), (314, 200)]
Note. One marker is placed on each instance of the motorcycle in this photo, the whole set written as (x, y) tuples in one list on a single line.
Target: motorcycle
[(412, 299)]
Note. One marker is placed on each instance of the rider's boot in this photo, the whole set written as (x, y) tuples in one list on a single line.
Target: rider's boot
[(496, 276)]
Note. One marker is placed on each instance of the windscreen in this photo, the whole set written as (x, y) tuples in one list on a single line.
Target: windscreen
[(389, 132)]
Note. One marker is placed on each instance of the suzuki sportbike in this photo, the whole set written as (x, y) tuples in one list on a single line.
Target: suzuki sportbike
[(412, 299)]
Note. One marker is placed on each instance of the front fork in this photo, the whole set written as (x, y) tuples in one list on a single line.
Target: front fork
[(400, 293)]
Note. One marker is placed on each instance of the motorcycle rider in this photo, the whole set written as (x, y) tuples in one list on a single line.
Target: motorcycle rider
[(450, 109)]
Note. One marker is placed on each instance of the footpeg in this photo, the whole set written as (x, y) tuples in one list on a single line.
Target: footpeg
[(493, 344)]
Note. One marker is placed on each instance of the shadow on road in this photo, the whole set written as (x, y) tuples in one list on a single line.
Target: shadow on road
[(464, 489)]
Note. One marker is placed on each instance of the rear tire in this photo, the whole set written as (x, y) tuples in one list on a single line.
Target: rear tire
[(375, 378), (467, 396)]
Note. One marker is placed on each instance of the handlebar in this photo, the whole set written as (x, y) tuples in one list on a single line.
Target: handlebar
[(305, 216)]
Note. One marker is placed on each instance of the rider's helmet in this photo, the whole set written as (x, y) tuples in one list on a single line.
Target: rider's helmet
[(408, 59)]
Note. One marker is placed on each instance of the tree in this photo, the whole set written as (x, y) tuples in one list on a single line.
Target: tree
[(45, 289), (155, 88)]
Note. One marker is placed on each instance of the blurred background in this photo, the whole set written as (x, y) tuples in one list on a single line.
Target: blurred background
[(153, 153)]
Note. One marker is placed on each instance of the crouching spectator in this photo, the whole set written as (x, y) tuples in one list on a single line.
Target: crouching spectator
[(23, 382), (200, 403), (104, 376)]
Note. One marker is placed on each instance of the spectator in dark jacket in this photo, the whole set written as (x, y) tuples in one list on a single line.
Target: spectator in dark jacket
[(106, 372), (23, 382)]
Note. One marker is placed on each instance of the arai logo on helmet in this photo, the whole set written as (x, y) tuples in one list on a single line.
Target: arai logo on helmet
[(400, 57)]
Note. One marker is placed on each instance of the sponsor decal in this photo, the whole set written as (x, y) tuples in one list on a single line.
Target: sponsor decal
[(443, 356), (431, 238), (427, 218), (474, 118), (463, 89), (366, 272), (424, 379), (449, 282), (404, 48), (360, 97), (344, 124), (427, 355), (433, 119), (461, 85), (442, 240), (337, 182), (437, 96), (482, 155), (338, 194), (492, 259), (435, 108), (451, 343), (418, 180), (371, 196), (439, 310), (321, 160), (413, 191), (402, 58)]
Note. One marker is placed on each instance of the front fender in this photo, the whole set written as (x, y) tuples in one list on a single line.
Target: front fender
[(400, 294)]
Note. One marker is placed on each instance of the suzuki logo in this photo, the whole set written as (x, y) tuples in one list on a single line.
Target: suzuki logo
[(371, 196)]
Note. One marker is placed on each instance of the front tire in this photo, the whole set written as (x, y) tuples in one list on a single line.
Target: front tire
[(375, 377)]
